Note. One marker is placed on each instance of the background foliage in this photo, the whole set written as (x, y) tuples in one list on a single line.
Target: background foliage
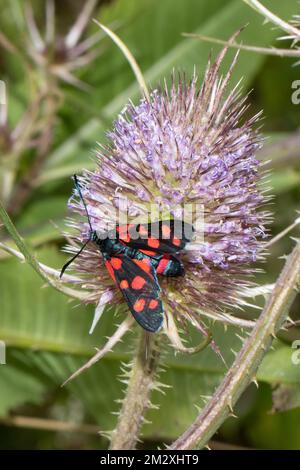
[(47, 336)]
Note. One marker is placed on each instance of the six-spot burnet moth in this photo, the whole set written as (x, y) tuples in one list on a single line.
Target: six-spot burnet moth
[(134, 258)]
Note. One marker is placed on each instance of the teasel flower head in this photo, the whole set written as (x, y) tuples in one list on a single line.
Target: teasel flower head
[(12, 136), (186, 145), (61, 55)]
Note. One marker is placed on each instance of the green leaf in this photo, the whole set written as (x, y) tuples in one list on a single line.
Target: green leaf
[(278, 367), (19, 388), (285, 180)]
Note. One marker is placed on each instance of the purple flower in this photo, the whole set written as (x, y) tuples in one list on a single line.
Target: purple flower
[(186, 146)]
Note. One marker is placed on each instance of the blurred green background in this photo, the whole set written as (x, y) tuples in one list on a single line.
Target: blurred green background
[(46, 335)]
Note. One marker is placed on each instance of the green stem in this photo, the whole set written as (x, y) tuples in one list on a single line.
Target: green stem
[(248, 359), (137, 399), (270, 16), (30, 258)]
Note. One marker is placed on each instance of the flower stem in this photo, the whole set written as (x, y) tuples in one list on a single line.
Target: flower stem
[(26, 255), (248, 359), (137, 400)]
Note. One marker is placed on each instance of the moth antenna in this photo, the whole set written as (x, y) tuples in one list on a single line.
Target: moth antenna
[(77, 186), (73, 258)]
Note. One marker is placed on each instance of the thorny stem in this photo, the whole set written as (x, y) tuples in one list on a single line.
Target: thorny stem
[(31, 260), (270, 16), (137, 400), (246, 47), (248, 359)]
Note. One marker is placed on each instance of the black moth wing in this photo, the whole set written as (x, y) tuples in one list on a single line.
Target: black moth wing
[(164, 236), (138, 283)]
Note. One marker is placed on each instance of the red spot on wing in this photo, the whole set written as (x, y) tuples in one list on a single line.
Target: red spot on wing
[(145, 265), (176, 241), (123, 233), (162, 266), (138, 282), (139, 305), (116, 263), (125, 237), (124, 284), (143, 231), (153, 242), (110, 270), (166, 231), (153, 304)]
